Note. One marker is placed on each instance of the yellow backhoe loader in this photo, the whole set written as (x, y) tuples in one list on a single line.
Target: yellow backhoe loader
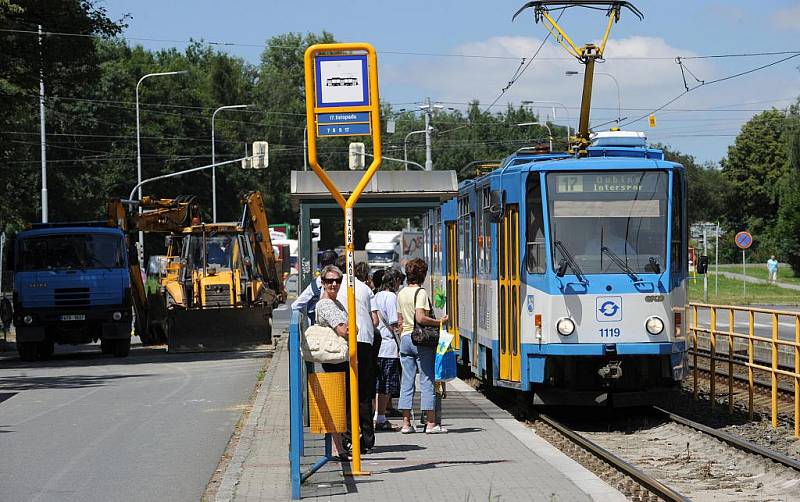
[(220, 286)]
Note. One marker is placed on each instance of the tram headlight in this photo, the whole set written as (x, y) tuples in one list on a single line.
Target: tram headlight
[(565, 326), (654, 325)]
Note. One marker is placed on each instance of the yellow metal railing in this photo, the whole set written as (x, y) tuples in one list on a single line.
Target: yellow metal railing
[(757, 350)]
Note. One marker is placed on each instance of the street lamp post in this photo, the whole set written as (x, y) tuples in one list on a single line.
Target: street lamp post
[(531, 102), (214, 160), (405, 144), (619, 94), (139, 143), (305, 149)]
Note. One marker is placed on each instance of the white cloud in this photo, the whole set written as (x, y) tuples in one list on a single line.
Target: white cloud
[(788, 18), (464, 79), (644, 67)]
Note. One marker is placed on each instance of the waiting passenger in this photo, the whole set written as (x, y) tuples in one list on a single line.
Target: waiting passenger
[(388, 360), (308, 298), (366, 322), (413, 305), (331, 314)]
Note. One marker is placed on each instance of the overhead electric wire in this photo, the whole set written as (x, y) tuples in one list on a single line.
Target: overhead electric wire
[(704, 83), (393, 52), (519, 72)]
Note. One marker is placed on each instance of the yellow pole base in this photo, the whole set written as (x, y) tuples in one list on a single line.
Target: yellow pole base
[(357, 473)]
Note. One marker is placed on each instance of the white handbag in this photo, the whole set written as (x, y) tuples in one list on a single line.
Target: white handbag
[(322, 345)]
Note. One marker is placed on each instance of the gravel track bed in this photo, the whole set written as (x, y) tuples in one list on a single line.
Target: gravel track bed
[(696, 464), (758, 431)]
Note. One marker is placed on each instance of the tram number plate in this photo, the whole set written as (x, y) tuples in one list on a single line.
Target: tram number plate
[(609, 332), (73, 317)]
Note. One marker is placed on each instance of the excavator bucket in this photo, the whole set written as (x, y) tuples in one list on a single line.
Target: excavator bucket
[(212, 329)]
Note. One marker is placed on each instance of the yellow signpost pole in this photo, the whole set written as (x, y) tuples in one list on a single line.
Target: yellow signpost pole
[(372, 107)]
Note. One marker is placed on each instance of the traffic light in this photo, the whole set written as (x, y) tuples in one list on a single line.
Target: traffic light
[(315, 229), (260, 155), (356, 156)]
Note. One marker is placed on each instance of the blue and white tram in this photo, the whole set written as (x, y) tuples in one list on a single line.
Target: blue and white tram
[(566, 276)]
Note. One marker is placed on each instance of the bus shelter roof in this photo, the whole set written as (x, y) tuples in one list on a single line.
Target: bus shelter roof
[(389, 194)]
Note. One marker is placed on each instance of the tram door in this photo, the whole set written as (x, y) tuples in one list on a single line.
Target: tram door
[(508, 273), (452, 282)]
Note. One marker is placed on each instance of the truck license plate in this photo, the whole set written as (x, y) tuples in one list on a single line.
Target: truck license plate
[(73, 317)]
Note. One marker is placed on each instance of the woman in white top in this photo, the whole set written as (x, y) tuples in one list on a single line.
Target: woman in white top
[(413, 305)]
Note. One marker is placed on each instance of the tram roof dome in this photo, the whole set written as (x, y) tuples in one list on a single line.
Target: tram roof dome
[(619, 138)]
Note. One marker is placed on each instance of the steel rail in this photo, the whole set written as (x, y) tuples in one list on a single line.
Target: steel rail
[(732, 440), (647, 481), (783, 390)]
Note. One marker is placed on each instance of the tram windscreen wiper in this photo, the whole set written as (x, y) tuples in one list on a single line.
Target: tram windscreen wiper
[(569, 260), (620, 263)]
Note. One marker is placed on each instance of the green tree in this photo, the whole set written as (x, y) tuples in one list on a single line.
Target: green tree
[(69, 66), (706, 187), (787, 228), (755, 164)]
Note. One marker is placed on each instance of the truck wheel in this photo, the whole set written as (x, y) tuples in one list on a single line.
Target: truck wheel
[(106, 346), (27, 351), (46, 348), (122, 347)]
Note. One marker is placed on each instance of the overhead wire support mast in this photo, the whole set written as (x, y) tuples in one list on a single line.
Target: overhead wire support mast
[(587, 55)]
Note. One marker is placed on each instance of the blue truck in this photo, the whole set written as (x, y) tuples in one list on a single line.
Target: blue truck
[(71, 286)]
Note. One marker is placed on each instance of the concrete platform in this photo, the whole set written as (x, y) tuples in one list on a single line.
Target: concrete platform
[(487, 455)]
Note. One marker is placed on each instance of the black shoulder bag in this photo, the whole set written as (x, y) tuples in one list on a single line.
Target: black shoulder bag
[(424, 336)]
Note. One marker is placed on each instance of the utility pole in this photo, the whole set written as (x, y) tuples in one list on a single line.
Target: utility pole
[(428, 108), (43, 140), (428, 156)]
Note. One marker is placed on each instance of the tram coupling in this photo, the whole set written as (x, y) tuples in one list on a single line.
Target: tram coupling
[(611, 371)]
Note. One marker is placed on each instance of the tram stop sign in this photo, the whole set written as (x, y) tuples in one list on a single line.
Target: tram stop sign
[(744, 240)]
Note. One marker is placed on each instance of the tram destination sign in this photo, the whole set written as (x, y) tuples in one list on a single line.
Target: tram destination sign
[(605, 183)]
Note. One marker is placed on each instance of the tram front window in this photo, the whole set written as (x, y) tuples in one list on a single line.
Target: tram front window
[(610, 221)]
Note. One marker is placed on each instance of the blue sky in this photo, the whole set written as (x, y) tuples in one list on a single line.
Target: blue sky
[(640, 54)]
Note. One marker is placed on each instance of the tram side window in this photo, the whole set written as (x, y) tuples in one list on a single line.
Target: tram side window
[(484, 233), (678, 246), (535, 249)]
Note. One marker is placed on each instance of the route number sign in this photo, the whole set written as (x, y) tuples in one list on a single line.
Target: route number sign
[(744, 240)]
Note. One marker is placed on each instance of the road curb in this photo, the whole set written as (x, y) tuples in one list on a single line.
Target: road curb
[(233, 472)]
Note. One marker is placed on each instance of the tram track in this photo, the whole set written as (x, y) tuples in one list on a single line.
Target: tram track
[(659, 455), (653, 454), (628, 479)]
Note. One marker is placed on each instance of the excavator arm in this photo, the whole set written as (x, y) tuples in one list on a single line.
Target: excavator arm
[(256, 227), (158, 215)]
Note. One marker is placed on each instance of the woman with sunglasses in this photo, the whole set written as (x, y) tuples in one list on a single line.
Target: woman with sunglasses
[(330, 313)]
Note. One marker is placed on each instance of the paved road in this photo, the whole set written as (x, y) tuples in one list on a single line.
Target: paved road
[(762, 323), (152, 426)]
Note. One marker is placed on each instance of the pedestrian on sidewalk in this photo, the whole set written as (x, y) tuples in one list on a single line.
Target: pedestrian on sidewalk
[(308, 299), (388, 365), (413, 306), (366, 322), (772, 268), (330, 313)]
